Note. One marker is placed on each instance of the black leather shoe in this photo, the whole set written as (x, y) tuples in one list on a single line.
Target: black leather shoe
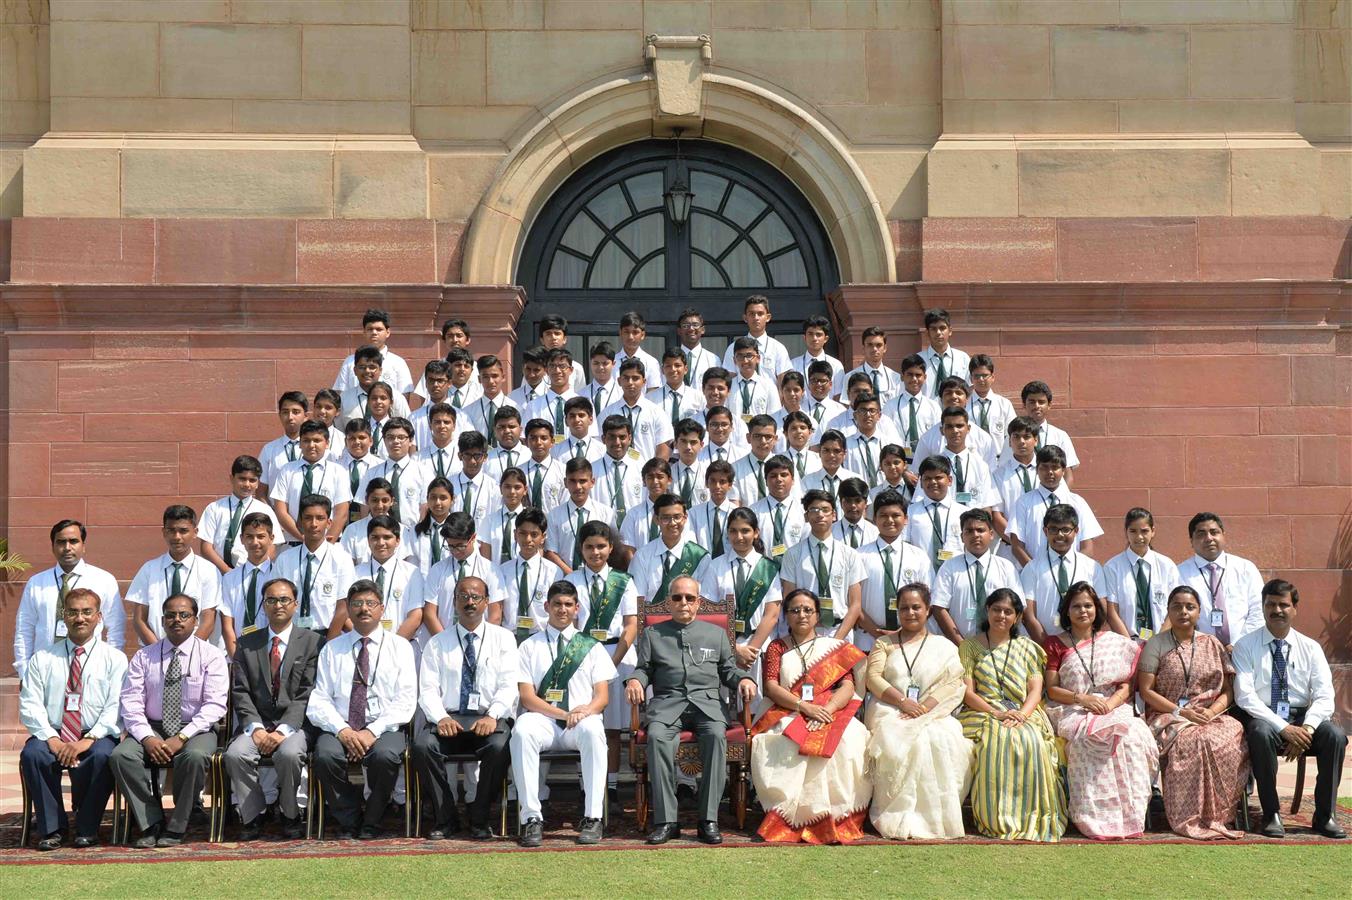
[(249, 831), (170, 839), (664, 832), (344, 834), (368, 833), (590, 831), (437, 834), (1330, 829), (84, 841), (1272, 827), (147, 839), (50, 842), (709, 833), (293, 829), (532, 833), (480, 833)]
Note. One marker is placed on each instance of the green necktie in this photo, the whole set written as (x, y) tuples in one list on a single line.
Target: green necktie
[(739, 579), (227, 553), (940, 373), (307, 583), (912, 428), (488, 424), (353, 477), (652, 526), (441, 463), (307, 483), (717, 538), (984, 417), (537, 483), (1023, 476), (960, 473), (689, 368), (830, 481), (870, 467), (434, 538), (979, 585), (779, 524), (558, 415), (800, 463), (460, 572), (667, 562), (380, 582), (823, 574), (457, 398), (508, 523), (873, 377), (522, 586), (598, 591), (746, 397), (1062, 578), (937, 535), (618, 498), (854, 537), (889, 590), (293, 447), (688, 487), (361, 403), (66, 579), (579, 449), (467, 496), (817, 412), (675, 409), (510, 456), (577, 541), (760, 477), (177, 584), (251, 599), (1144, 618), (394, 481)]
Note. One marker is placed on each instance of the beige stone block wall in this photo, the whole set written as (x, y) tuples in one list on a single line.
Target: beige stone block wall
[(72, 181), (371, 183), (25, 39), (1324, 69), (973, 178)]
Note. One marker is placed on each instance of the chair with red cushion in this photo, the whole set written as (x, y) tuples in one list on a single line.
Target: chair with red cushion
[(720, 613)]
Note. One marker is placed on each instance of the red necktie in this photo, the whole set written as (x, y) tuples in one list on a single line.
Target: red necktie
[(276, 667), (72, 726)]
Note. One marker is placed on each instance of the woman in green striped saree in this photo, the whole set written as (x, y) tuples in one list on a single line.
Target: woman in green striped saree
[(1017, 792)]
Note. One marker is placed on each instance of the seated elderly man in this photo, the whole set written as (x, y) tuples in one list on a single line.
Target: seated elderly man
[(687, 663), (1284, 691), (69, 705), (174, 693)]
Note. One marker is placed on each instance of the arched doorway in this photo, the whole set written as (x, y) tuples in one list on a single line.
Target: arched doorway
[(603, 244)]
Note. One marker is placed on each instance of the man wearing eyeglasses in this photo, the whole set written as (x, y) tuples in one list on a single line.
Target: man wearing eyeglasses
[(687, 662), (174, 692), (366, 691), (274, 674)]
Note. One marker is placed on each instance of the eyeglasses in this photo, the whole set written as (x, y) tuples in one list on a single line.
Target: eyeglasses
[(179, 616), (691, 326), (683, 598), (1060, 531), (462, 597), (278, 601), (802, 611), (671, 520), (360, 603)]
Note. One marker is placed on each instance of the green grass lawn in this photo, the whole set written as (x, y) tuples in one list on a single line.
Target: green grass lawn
[(1008, 871)]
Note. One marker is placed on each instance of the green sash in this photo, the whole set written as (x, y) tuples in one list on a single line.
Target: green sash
[(565, 664), (753, 592), (604, 612), (691, 557)]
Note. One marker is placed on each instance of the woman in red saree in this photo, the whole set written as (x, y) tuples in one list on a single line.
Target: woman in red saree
[(807, 756)]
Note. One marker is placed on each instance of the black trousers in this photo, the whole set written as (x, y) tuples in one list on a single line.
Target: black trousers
[(1328, 747), (430, 752), (342, 798)]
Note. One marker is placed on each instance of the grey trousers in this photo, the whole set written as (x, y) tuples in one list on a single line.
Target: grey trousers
[(288, 760), (713, 757), (134, 771)]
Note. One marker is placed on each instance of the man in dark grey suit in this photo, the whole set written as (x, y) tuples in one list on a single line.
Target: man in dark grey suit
[(687, 663), (274, 673)]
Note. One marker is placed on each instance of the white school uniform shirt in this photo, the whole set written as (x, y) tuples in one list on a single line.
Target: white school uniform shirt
[(1025, 522), (1009, 483), (494, 692), (699, 360), (1051, 436), (234, 586), (720, 581), (333, 574), (391, 696), (630, 481), (639, 524), (652, 369), (537, 656), (403, 587), (864, 532), (593, 448), (326, 478), (932, 443), (885, 432), (36, 625), (501, 459), (1309, 682), (652, 426), (499, 528), (830, 409), (214, 525), (354, 406), (277, 453), (337, 443), (421, 388), (562, 534), (470, 391), (699, 491), (708, 516), (843, 566), (889, 381), (805, 462), (885, 485), (600, 395), (955, 583), (956, 364), (821, 480), (582, 579), (688, 401), (927, 412), (1241, 587), (745, 484), (864, 452), (394, 371), (774, 356), (761, 391), (412, 486), (422, 428), (354, 541), (549, 406), (478, 415), (364, 464), (1038, 582), (801, 363), (439, 585), (920, 518), (795, 523), (447, 458), (909, 564), (1161, 575), (999, 413), (151, 586), (42, 696), (646, 567), (979, 486), (481, 491), (540, 574), (524, 394), (730, 452)]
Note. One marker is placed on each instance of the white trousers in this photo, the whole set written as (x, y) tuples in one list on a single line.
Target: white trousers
[(536, 733)]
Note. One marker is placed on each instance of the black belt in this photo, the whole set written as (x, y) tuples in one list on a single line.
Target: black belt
[(610, 642)]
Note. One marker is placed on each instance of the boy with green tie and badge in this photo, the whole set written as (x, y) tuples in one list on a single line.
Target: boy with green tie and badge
[(242, 587), (219, 529), (828, 567), (889, 562)]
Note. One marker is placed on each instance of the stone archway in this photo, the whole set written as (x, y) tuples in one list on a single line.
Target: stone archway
[(735, 111)]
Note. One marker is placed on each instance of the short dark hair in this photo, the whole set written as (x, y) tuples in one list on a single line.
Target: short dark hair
[(254, 519), (246, 464), (311, 426), (454, 323), (364, 586), (296, 397), (1061, 514), (375, 315), (312, 500), (935, 315), (1051, 454), (67, 523), (1035, 387), (1201, 519), (1277, 587), (177, 512)]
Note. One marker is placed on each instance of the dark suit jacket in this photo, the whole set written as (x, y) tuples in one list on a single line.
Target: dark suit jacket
[(252, 688), (686, 666)]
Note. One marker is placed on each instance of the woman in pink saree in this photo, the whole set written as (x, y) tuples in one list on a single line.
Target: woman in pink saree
[(1111, 756)]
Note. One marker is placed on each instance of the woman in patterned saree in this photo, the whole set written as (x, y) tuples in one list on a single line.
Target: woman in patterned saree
[(1111, 755), (1017, 792), (920, 763), (807, 756), (1185, 683)]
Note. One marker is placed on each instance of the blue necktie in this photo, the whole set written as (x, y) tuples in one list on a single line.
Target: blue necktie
[(467, 674), (1278, 673)]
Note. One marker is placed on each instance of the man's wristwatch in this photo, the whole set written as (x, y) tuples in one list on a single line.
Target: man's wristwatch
[(1309, 729), (182, 737)]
